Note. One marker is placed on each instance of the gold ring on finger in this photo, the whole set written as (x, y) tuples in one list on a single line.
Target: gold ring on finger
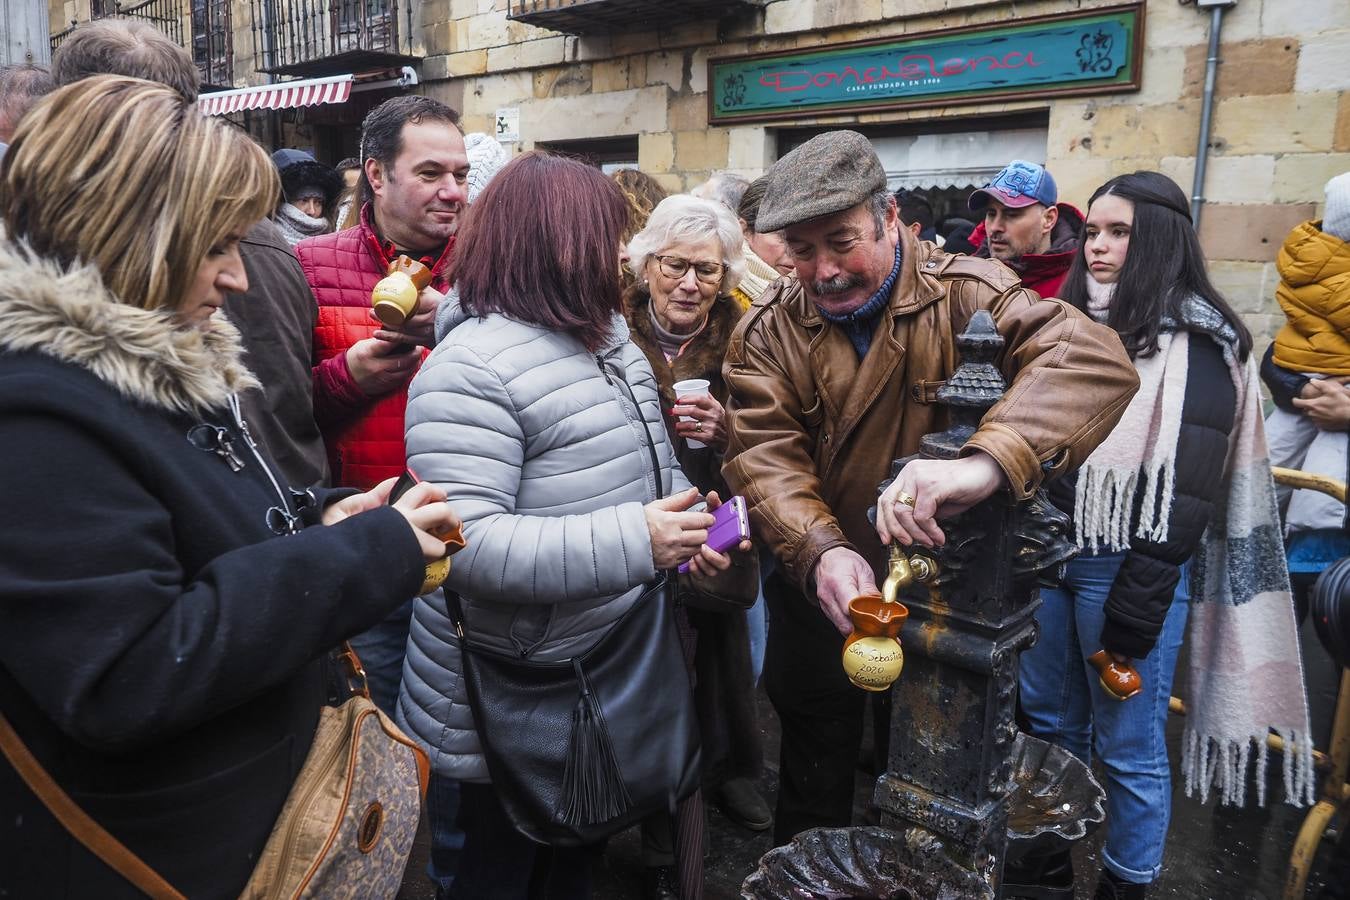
[(906, 499)]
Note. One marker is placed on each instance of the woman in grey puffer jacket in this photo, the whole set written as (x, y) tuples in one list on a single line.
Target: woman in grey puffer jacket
[(520, 414)]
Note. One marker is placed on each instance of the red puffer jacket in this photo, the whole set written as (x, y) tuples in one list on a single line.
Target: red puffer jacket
[(364, 435)]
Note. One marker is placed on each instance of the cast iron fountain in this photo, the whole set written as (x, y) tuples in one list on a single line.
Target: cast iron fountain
[(963, 787)]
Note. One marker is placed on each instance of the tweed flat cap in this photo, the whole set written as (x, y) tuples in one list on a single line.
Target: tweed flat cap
[(831, 172)]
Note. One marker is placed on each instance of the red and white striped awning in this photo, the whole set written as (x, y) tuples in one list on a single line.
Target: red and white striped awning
[(284, 95)]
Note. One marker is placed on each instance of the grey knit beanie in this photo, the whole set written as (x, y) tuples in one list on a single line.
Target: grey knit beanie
[(1336, 219), (486, 158)]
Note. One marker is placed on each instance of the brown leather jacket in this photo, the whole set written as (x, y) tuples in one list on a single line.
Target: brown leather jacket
[(814, 429)]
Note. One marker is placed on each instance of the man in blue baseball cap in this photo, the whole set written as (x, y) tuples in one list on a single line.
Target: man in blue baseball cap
[(1025, 226)]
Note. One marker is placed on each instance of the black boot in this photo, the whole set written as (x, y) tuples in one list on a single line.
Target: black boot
[(1046, 876), (1109, 887), (743, 804)]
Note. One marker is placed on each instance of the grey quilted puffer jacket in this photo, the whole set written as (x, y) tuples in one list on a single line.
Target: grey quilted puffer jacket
[(541, 453)]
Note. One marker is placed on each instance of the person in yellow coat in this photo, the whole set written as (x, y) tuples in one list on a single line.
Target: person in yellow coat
[(1314, 291), (1307, 369)]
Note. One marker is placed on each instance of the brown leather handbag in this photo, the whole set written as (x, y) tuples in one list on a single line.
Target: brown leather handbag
[(346, 828)]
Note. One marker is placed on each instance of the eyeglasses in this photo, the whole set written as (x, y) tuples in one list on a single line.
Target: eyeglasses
[(676, 266)]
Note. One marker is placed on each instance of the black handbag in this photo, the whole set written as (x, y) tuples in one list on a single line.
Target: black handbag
[(582, 748)]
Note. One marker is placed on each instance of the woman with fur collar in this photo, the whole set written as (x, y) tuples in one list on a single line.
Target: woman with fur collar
[(688, 261), (309, 195), (165, 619)]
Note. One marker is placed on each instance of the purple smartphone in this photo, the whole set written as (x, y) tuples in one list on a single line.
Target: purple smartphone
[(731, 526)]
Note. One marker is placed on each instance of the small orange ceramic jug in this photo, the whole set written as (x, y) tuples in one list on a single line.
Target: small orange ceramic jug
[(1119, 680), (395, 296), (439, 570), (872, 654)]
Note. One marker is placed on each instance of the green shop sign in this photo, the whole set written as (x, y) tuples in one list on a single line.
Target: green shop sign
[(1080, 53)]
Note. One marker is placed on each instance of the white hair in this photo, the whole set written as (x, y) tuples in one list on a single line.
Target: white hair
[(681, 218), (725, 188)]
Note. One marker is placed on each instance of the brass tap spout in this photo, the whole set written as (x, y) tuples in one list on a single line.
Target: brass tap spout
[(904, 571)]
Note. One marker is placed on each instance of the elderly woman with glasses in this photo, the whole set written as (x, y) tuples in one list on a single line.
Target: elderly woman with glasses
[(687, 260)]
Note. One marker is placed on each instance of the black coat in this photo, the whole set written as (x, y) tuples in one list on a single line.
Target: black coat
[(1283, 384), (1142, 593), (161, 649)]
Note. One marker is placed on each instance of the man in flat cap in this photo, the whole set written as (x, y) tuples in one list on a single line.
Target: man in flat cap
[(833, 375)]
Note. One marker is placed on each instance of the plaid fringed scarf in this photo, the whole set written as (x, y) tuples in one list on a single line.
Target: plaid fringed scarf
[(1245, 667)]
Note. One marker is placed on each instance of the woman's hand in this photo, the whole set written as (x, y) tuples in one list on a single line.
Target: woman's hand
[(1326, 403), (423, 506), (427, 512), (709, 425), (677, 534), (708, 562), (358, 503)]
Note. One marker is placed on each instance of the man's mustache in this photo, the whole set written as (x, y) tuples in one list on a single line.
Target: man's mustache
[(839, 284)]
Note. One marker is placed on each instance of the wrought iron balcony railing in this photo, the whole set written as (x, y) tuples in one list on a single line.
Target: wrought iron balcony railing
[(213, 41), (59, 37), (202, 26), (322, 37), (603, 16), (166, 15)]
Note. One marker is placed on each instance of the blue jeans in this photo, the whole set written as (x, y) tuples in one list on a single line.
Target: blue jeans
[(1065, 704), (447, 838), (381, 651), (757, 616)]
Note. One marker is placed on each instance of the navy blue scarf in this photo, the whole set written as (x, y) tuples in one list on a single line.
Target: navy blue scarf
[(861, 324)]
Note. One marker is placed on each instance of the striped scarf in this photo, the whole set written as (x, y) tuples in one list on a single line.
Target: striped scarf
[(1245, 667)]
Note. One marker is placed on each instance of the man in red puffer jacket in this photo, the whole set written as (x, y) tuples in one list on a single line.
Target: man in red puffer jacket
[(415, 168), (1025, 227), (414, 171)]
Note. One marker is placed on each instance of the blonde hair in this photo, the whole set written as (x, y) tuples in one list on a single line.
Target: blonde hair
[(682, 218), (642, 192), (128, 176)]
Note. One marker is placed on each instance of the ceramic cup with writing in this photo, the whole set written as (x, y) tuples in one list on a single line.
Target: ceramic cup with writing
[(694, 387), (873, 657)]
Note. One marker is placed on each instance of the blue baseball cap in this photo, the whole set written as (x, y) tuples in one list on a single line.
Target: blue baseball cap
[(1021, 183)]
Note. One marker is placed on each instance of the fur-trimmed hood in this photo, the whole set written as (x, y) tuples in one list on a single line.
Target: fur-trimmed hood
[(145, 355), (310, 173)]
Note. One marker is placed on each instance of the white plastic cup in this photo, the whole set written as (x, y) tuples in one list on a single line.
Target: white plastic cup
[(694, 387)]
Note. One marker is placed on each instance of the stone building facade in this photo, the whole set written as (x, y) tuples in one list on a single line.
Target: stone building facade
[(1281, 120), (638, 94)]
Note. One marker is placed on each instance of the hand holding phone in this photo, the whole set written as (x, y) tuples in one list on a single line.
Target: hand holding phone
[(731, 527)]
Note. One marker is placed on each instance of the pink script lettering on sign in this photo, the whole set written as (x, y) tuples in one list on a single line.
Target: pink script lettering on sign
[(909, 68)]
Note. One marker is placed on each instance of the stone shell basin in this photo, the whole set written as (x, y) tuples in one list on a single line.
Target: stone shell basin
[(863, 863), (1056, 801), (1056, 797)]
